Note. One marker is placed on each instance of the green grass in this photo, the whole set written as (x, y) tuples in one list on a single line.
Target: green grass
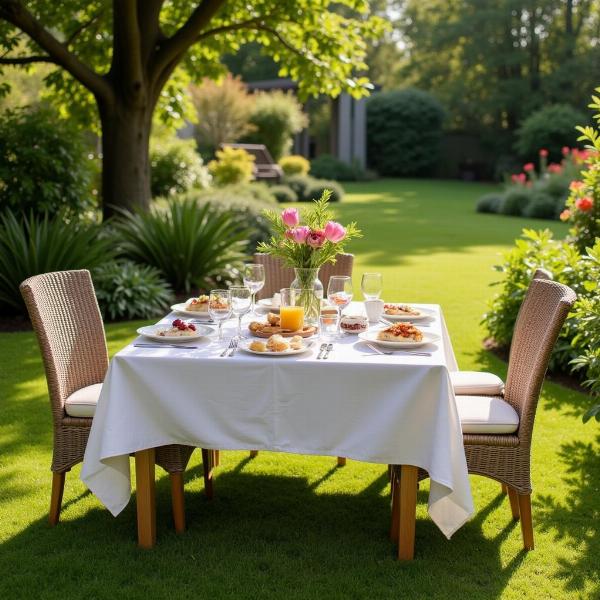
[(297, 527)]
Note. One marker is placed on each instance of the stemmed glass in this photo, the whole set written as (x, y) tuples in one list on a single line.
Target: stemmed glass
[(371, 285), (339, 292), (254, 279), (219, 308), (240, 303)]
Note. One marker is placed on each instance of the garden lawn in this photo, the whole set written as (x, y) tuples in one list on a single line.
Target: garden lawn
[(284, 526)]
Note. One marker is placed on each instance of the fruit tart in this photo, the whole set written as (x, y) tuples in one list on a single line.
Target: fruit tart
[(400, 332), (178, 328)]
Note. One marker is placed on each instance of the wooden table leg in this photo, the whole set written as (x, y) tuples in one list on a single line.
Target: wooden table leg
[(145, 493), (408, 509)]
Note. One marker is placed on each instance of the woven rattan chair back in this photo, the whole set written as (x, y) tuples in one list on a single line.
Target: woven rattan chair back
[(541, 317), (278, 275), (67, 322)]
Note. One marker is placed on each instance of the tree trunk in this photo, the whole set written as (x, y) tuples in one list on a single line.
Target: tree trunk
[(125, 157)]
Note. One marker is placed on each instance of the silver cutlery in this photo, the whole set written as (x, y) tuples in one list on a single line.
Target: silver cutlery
[(388, 352), (321, 350), (327, 351), (236, 341), (224, 353), (177, 346), (200, 322)]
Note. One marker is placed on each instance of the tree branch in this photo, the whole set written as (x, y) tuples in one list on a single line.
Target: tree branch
[(26, 60), (248, 24), (175, 46), (14, 12), (82, 27)]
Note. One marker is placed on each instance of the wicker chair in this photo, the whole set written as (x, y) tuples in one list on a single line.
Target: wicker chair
[(506, 456), (67, 322), (467, 383), (278, 275)]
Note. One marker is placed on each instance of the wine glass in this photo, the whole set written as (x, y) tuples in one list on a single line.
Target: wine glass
[(254, 279), (219, 307), (371, 285), (241, 299), (339, 291)]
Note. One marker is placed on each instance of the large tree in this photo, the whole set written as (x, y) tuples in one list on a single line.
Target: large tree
[(125, 57)]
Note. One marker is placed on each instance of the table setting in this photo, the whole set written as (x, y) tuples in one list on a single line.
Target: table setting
[(308, 371)]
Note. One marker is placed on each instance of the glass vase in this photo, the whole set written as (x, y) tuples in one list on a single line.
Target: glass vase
[(309, 293)]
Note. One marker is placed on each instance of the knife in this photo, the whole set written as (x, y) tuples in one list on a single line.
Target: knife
[(321, 350), (329, 349)]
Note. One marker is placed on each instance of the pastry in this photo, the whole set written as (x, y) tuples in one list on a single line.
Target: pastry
[(178, 328), (258, 346), (400, 309), (296, 342), (401, 332), (199, 304), (277, 344), (273, 319)]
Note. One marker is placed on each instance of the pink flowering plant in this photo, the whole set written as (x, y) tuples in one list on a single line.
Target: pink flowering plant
[(309, 239), (583, 205)]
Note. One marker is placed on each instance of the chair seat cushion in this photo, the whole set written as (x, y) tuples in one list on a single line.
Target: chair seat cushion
[(82, 403), (476, 383), (483, 414)]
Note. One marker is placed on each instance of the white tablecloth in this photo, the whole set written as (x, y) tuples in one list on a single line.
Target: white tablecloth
[(395, 409)]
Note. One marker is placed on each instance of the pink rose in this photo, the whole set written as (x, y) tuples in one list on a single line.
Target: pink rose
[(290, 217), (543, 152), (565, 215), (299, 234), (575, 186), (316, 238), (555, 168), (584, 204), (335, 232), (528, 167), (565, 150)]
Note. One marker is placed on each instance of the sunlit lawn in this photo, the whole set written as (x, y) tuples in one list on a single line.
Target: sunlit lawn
[(297, 527)]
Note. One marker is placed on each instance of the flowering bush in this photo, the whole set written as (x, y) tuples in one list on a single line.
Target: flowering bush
[(540, 192), (294, 165), (308, 245), (583, 204)]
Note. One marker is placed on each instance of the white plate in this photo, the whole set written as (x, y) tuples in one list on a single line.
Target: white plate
[(268, 303), (423, 314), (180, 309), (307, 346), (150, 332), (371, 336)]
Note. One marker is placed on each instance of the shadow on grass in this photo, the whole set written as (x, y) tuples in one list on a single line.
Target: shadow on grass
[(262, 536), (576, 521)]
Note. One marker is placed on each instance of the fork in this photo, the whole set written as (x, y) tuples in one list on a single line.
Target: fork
[(231, 342), (327, 351), (321, 351), (236, 341)]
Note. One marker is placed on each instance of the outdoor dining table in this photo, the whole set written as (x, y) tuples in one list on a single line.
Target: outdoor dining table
[(396, 409)]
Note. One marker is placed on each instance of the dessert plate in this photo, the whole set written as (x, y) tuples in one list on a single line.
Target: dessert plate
[(371, 336), (268, 304), (423, 314), (180, 309), (246, 348), (151, 332)]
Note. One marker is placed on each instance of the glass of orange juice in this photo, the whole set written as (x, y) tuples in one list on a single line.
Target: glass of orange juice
[(291, 312)]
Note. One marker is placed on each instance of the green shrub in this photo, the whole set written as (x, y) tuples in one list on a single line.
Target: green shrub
[(34, 244), (330, 167), (233, 165), (191, 245), (126, 290), (551, 128), (246, 206), (540, 206), (538, 249), (294, 165), (315, 191), (299, 184), (276, 117), (283, 193), (223, 110), (44, 164), (176, 167), (490, 203), (404, 132), (515, 201)]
